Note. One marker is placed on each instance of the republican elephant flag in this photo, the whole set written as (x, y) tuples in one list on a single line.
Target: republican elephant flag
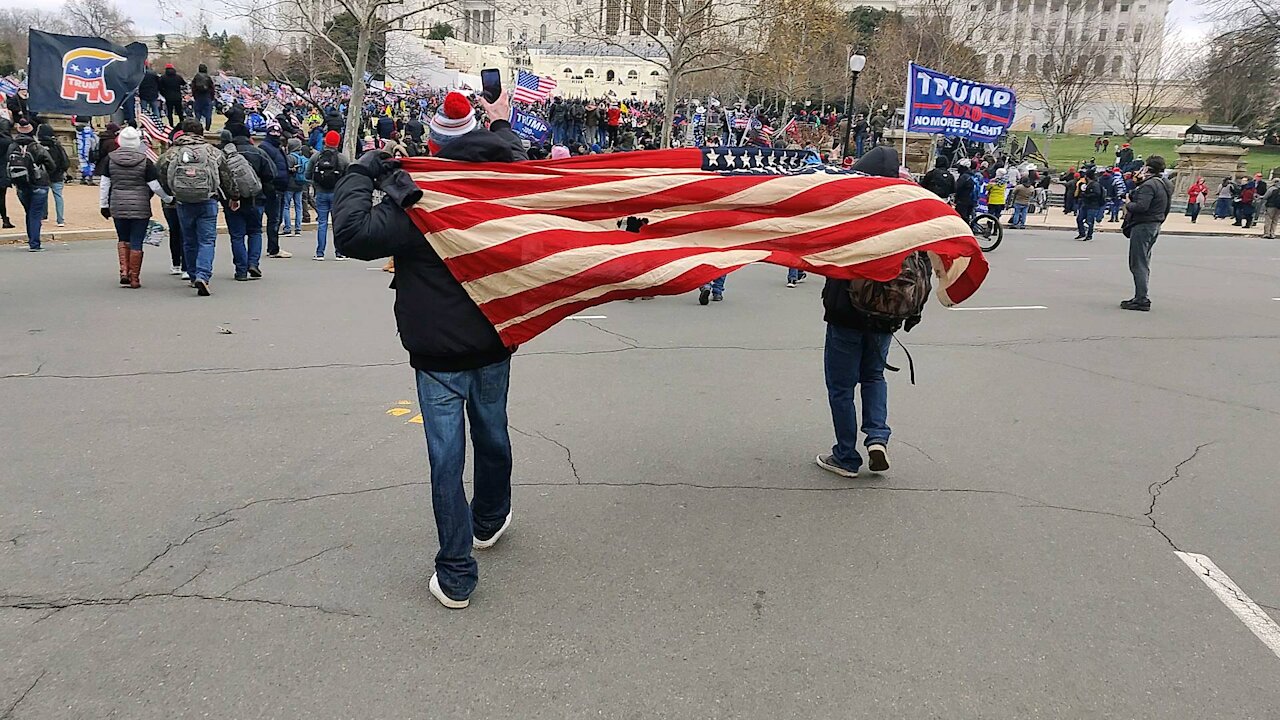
[(74, 75)]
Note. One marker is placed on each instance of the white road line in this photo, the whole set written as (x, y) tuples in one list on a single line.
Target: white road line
[(1006, 307), (1063, 259), (588, 317), (1234, 598)]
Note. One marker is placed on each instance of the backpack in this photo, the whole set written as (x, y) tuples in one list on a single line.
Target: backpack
[(22, 166), (1273, 198), (325, 171), (193, 174), (297, 168), (201, 83), (244, 179), (899, 299)]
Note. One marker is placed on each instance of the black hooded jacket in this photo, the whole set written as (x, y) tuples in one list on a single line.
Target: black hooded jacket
[(837, 309), (440, 325)]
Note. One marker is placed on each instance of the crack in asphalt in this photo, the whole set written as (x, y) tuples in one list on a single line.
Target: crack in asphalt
[(8, 714), (1155, 488), (259, 576), (171, 546), (567, 452), (205, 371), (58, 604), (627, 339)]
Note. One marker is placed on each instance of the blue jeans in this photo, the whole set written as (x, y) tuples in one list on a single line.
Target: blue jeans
[(324, 205), (1221, 208), (55, 189), (717, 285), (447, 401), (204, 111), (132, 231), (1019, 218), (793, 275), (854, 357), (1085, 218), (199, 231), (292, 200), (241, 224), (34, 199), (152, 107)]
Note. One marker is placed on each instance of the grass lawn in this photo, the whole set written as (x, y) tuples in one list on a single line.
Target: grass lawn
[(1067, 150)]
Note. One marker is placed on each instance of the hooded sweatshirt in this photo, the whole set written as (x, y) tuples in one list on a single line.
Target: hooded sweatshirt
[(61, 162)]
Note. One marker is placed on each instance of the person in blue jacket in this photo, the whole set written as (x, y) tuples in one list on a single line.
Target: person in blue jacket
[(271, 145)]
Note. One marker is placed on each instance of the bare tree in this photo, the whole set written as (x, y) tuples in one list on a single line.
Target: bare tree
[(1253, 24), (295, 19), (1241, 85), (1152, 81), (97, 18), (1072, 65), (14, 26), (682, 38), (804, 40)]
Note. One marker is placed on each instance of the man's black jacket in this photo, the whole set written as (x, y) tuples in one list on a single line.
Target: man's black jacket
[(440, 325)]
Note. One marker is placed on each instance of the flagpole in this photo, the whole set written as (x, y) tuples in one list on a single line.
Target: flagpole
[(906, 117)]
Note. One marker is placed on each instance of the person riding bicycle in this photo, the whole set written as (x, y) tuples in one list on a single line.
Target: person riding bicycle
[(966, 190)]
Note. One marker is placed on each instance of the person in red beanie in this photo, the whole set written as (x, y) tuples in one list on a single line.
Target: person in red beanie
[(461, 366), (171, 86), (323, 172)]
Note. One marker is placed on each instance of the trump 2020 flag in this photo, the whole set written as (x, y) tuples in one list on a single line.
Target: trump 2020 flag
[(534, 242), (940, 103), (76, 75)]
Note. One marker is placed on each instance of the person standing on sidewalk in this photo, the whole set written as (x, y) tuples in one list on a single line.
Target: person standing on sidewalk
[(273, 194), (323, 172), (29, 167), (1091, 200), (58, 179), (1195, 196), (296, 166), (196, 174), (129, 179), (1146, 210), (244, 224), (461, 366), (1271, 211), (1022, 194)]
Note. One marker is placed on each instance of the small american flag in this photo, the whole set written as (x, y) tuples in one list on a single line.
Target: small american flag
[(535, 242), (531, 88), (792, 129), (154, 129), (740, 121)]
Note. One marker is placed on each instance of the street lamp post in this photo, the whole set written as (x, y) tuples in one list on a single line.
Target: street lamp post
[(856, 63)]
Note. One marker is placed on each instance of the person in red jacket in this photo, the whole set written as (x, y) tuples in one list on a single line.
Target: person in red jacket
[(613, 120), (1195, 196)]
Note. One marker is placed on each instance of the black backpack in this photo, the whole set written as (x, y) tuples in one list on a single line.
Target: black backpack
[(21, 165), (325, 171), (201, 83)]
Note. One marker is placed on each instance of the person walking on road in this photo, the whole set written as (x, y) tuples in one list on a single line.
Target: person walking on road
[(129, 179), (461, 366), (196, 174), (253, 176), (1146, 210), (323, 172), (29, 167), (861, 317)]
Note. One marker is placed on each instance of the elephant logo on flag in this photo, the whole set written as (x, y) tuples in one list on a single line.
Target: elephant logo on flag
[(84, 74)]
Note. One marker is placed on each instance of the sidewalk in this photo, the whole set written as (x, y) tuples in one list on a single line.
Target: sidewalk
[(1176, 224), (84, 221)]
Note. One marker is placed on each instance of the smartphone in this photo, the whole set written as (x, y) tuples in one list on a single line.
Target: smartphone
[(491, 84)]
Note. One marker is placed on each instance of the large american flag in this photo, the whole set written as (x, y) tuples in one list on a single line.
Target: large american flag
[(532, 88), (535, 242)]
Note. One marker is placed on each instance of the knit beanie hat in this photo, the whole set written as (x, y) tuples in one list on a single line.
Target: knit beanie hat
[(332, 139), (130, 138), (559, 152), (295, 144), (454, 119)]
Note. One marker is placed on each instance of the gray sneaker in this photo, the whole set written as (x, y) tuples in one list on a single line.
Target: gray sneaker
[(877, 458), (828, 463)]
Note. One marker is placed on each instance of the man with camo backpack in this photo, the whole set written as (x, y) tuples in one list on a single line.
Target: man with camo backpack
[(196, 174)]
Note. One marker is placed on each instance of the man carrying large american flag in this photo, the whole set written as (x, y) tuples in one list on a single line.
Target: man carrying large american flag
[(462, 366)]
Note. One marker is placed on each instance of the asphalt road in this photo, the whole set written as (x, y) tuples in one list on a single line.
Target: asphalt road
[(201, 524)]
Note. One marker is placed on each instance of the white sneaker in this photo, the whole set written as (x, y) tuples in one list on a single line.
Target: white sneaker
[(318, 257), (185, 276), (877, 458), (445, 600), (339, 257), (791, 284), (62, 224), (479, 544), (282, 254)]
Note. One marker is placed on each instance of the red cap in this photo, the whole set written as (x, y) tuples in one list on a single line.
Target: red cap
[(168, 66), (332, 138)]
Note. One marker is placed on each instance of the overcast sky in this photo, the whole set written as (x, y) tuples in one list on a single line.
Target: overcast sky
[(175, 16)]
